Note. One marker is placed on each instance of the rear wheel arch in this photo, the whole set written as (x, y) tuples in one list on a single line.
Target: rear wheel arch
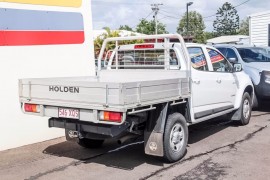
[(249, 89)]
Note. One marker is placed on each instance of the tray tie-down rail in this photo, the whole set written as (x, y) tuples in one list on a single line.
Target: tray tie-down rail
[(151, 107)]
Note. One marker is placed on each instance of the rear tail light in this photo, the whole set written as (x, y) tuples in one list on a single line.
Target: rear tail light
[(32, 108), (111, 116)]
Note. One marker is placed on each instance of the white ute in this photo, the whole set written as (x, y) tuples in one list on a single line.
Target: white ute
[(152, 89)]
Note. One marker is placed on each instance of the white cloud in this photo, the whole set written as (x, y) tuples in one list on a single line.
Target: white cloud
[(113, 13)]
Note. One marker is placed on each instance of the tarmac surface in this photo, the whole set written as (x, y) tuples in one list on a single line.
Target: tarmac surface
[(217, 149)]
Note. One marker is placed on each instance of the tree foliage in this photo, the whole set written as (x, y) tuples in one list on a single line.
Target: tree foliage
[(100, 39), (125, 27), (244, 27), (210, 35), (227, 20), (98, 42), (196, 26), (148, 27)]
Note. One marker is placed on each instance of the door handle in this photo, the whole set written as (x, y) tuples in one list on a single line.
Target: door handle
[(196, 81), (219, 80)]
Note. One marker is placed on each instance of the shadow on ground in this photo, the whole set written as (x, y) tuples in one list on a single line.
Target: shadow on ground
[(128, 156)]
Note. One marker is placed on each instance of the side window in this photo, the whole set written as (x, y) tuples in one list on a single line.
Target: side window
[(198, 60), (220, 64), (223, 51), (231, 54)]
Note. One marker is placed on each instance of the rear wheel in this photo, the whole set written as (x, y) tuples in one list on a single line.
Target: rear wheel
[(175, 137), (90, 143), (246, 109)]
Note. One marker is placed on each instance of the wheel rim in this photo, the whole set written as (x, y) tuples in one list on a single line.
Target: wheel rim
[(177, 137), (246, 108)]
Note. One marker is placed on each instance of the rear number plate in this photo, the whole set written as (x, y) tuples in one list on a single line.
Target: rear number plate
[(69, 113)]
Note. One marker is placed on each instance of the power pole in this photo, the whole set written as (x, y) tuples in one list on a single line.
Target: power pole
[(155, 8)]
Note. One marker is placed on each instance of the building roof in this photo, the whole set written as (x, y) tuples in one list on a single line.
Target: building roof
[(227, 39), (122, 33), (260, 14)]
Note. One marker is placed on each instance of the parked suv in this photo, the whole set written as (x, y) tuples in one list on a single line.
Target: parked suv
[(256, 63)]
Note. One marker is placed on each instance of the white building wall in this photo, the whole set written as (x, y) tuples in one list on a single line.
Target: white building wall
[(259, 24), (18, 62)]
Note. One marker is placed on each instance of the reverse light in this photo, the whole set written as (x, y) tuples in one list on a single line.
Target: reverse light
[(32, 108), (111, 116)]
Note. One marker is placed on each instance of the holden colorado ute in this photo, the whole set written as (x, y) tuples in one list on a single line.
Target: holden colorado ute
[(155, 89)]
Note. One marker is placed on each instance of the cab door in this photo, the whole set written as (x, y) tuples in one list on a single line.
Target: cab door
[(203, 85), (225, 80), (213, 88)]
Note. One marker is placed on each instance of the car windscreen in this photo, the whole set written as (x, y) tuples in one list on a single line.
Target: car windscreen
[(254, 54)]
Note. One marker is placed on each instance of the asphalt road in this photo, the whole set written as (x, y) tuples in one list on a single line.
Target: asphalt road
[(217, 149)]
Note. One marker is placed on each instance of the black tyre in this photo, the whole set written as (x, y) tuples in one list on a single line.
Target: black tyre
[(257, 102), (175, 138), (246, 108), (90, 143)]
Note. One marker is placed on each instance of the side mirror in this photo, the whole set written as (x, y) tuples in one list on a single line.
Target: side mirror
[(237, 67), (233, 60)]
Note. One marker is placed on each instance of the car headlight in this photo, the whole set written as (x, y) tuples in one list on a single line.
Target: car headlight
[(267, 76)]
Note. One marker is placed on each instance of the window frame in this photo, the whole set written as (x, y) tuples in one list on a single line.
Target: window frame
[(207, 63), (211, 64)]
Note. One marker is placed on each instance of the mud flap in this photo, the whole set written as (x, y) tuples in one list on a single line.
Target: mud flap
[(236, 115), (153, 136)]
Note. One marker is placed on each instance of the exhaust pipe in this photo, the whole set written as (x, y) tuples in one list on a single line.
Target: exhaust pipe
[(73, 134)]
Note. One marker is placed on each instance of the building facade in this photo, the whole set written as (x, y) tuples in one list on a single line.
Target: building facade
[(259, 28)]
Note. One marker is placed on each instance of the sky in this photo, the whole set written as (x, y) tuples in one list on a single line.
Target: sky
[(113, 13)]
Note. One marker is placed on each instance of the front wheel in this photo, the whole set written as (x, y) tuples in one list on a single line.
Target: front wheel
[(175, 137), (246, 109)]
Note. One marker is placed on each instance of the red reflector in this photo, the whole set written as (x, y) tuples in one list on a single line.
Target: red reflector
[(116, 117), (28, 108), (145, 46), (31, 108)]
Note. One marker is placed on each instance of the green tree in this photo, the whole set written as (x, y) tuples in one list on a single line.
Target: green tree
[(100, 39), (98, 42), (244, 27), (98, 45), (227, 20), (125, 27), (210, 35), (148, 27), (196, 26)]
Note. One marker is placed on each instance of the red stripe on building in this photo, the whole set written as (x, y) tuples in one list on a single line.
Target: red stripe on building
[(24, 38)]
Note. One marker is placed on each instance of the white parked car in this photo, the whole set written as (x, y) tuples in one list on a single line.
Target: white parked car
[(256, 63), (151, 89)]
